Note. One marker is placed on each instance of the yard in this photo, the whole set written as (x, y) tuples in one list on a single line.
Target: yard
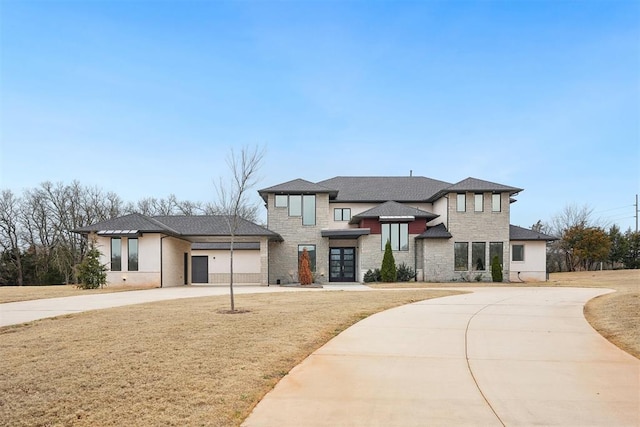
[(176, 363), (25, 293), (181, 362)]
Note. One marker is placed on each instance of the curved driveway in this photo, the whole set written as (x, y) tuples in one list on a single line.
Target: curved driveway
[(496, 357)]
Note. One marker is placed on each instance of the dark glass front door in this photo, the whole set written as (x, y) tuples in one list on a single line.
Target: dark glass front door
[(342, 265)]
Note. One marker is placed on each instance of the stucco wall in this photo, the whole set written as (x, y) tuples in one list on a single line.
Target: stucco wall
[(534, 266), (148, 261), (246, 265), (173, 252)]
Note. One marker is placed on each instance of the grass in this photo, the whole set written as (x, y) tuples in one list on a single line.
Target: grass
[(26, 293), (170, 363), (615, 316)]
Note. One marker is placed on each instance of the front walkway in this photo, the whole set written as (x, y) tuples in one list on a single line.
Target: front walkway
[(496, 357)]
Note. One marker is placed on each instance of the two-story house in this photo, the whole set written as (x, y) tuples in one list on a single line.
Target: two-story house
[(444, 231)]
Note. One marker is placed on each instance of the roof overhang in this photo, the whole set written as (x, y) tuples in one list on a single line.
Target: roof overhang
[(397, 218), (119, 233), (345, 233)]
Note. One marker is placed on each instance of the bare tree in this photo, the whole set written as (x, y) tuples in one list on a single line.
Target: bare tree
[(233, 201), (9, 229)]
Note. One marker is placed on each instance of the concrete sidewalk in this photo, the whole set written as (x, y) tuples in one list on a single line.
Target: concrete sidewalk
[(497, 357), (25, 311)]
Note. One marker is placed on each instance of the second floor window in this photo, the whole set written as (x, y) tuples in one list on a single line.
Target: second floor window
[(342, 214), (397, 234), (461, 202), (496, 202), (478, 204)]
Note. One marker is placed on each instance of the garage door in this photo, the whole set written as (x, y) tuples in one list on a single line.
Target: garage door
[(199, 269)]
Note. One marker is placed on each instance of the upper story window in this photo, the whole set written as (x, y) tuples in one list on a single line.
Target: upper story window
[(496, 202), (397, 234), (299, 205), (342, 214), (132, 246), (461, 202), (295, 205), (309, 209), (282, 201), (517, 253), (116, 254), (478, 204)]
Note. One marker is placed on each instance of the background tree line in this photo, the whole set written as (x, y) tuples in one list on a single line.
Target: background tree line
[(37, 245), (584, 243)]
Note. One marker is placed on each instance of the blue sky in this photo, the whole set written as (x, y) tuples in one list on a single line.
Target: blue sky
[(146, 98)]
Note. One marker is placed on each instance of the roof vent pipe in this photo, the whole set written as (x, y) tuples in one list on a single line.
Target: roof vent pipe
[(410, 172)]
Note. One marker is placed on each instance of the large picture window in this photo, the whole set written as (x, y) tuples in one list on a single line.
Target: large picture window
[(132, 249), (461, 256), (461, 202), (478, 255), (397, 234), (116, 254), (495, 249), (311, 249)]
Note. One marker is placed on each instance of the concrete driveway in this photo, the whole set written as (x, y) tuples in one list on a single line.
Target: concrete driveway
[(497, 357), (25, 311)]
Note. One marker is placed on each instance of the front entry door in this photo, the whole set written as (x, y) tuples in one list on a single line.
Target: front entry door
[(342, 265)]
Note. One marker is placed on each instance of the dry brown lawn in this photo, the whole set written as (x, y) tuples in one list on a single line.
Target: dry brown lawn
[(172, 363), (25, 293), (615, 316)]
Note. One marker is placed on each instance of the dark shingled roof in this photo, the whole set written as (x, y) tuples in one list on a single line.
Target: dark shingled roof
[(392, 208), (134, 221), (474, 184), (196, 225), (296, 186), (436, 232), (383, 188), (519, 233)]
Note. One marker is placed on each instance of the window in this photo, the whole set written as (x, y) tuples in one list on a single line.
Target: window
[(132, 249), (308, 209), (478, 204), (496, 201), (295, 205), (397, 234), (116, 254), (311, 249), (495, 249), (341, 214), (517, 253), (461, 256), (461, 203), (281, 200), (478, 255)]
